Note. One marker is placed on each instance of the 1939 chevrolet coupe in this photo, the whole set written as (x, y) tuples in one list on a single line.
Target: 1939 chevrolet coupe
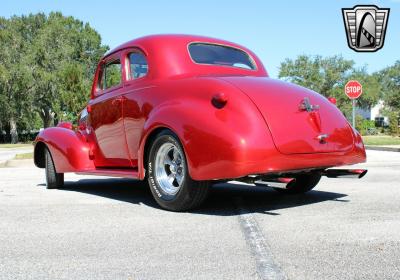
[(183, 111)]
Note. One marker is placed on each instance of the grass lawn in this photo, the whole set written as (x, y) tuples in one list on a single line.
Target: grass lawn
[(24, 156), (9, 146), (381, 140)]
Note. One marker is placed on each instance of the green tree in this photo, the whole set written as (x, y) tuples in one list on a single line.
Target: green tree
[(46, 68), (64, 55), (317, 73), (390, 81), (15, 80), (390, 84)]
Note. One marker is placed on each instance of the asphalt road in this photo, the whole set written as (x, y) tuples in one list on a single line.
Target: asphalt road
[(102, 228)]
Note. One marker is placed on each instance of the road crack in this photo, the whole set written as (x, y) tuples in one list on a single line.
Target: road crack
[(258, 245)]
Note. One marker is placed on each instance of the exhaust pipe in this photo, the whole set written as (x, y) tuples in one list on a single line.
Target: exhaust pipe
[(344, 173), (280, 183)]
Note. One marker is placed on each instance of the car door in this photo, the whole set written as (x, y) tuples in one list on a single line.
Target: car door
[(136, 107), (106, 118)]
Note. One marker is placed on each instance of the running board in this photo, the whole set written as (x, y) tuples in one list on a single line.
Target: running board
[(122, 173), (344, 173)]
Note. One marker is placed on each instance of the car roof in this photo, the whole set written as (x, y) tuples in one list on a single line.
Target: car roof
[(165, 40), (170, 57)]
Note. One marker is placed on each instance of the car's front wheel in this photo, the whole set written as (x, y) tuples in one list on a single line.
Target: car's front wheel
[(54, 180), (168, 176)]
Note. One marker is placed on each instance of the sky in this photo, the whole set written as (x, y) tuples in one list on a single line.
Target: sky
[(274, 30)]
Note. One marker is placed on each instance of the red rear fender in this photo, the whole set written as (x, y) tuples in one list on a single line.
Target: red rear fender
[(219, 142)]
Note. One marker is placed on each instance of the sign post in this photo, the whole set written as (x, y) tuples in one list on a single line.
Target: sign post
[(353, 90)]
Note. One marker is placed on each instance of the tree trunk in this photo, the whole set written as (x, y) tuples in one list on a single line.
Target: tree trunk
[(47, 121), (13, 131), (2, 140), (47, 118), (56, 120), (7, 130)]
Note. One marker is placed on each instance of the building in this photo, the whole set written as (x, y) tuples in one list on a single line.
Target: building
[(374, 113)]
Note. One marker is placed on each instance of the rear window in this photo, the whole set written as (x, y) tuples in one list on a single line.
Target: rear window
[(220, 55), (138, 65)]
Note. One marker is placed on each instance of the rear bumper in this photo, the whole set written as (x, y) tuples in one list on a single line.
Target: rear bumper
[(274, 162), (267, 160), (294, 163)]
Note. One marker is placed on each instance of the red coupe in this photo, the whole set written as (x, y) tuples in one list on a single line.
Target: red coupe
[(184, 111)]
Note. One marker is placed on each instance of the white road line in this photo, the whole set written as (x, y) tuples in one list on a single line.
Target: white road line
[(266, 267)]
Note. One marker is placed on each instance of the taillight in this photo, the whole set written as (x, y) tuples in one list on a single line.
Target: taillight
[(332, 100)]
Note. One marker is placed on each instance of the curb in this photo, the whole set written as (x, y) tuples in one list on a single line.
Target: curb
[(386, 149)]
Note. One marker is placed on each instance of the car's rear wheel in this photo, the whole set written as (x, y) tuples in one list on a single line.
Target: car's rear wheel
[(303, 184), (54, 180), (168, 176)]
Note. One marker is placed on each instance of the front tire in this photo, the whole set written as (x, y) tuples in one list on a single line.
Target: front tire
[(303, 184), (54, 180), (168, 176)]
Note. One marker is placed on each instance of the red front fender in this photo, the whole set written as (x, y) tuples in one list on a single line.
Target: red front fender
[(68, 148)]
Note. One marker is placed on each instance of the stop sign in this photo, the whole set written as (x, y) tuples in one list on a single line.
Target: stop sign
[(353, 89)]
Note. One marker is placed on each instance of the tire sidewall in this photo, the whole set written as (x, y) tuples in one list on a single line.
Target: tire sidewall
[(167, 201), (53, 179), (49, 169)]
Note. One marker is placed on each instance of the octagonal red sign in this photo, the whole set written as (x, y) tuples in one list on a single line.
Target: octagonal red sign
[(353, 89)]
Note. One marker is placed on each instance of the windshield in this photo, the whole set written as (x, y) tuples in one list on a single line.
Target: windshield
[(204, 53)]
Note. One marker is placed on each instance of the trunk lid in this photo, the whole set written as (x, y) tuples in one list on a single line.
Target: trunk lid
[(296, 124)]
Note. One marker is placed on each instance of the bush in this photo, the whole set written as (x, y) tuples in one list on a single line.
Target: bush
[(365, 127), (394, 123), (24, 137)]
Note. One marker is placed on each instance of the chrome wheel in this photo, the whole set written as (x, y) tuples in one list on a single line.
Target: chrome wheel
[(169, 168), (168, 176)]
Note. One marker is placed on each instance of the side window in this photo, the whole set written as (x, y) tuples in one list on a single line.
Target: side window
[(138, 65), (111, 75)]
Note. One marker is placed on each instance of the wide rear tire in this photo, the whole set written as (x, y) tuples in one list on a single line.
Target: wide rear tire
[(54, 180), (168, 175), (303, 184)]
